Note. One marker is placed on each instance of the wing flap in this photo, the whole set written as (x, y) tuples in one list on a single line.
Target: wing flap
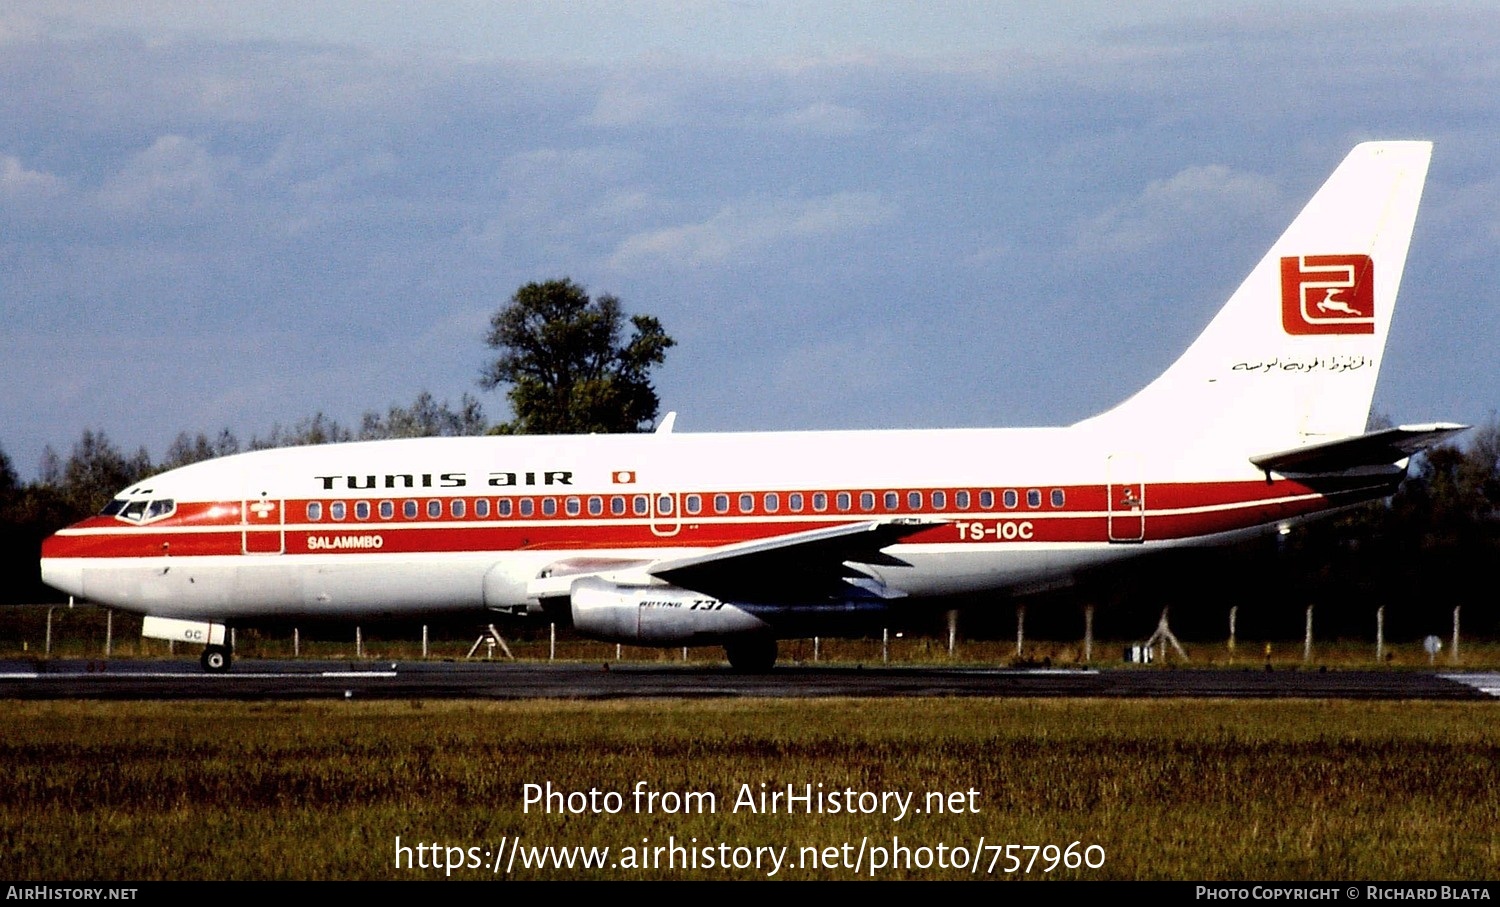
[(803, 567)]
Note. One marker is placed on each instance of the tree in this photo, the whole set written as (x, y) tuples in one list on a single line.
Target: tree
[(425, 418), (316, 429), (186, 449), (10, 483), (95, 472), (567, 371)]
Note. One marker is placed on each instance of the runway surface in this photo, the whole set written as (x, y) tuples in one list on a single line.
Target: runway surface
[(290, 680)]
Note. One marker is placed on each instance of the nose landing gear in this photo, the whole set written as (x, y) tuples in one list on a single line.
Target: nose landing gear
[(216, 659)]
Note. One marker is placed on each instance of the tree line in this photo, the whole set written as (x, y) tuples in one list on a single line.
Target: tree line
[(1430, 548)]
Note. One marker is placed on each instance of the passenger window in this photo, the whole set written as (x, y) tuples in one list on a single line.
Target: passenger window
[(527, 507), (1058, 498), (596, 506), (314, 512), (617, 505), (794, 502), (1011, 499), (336, 510), (845, 500), (820, 501), (482, 508), (694, 504), (642, 505), (986, 499), (573, 505), (939, 500), (409, 509), (434, 509), (771, 501), (721, 503), (747, 503), (362, 510), (457, 508), (549, 506), (664, 505), (961, 500), (867, 500), (387, 509), (503, 507), (892, 500), (914, 500), (1033, 497)]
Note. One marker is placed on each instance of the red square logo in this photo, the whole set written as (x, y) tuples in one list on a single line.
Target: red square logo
[(1328, 294)]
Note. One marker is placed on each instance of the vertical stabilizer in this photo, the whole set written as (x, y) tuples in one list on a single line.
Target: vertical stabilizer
[(1292, 358)]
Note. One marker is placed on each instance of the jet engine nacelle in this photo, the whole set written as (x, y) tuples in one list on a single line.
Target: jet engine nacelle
[(664, 615), (658, 615)]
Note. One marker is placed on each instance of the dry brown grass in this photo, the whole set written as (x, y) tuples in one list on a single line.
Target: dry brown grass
[(1169, 790)]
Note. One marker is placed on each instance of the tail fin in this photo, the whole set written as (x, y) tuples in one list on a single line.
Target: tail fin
[(1293, 356)]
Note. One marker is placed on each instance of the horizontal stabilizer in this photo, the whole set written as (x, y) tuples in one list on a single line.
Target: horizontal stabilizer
[(1376, 448)]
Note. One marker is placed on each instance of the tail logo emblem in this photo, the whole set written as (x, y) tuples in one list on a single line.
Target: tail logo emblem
[(1328, 294)]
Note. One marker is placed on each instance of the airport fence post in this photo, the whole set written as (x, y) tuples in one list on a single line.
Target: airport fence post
[(47, 650), (109, 632), (359, 642), (1020, 628), (817, 648), (1380, 634), (1307, 638), (952, 631), (424, 640), (552, 641), (1454, 656), (1088, 633), (885, 645), (1234, 611), (296, 643)]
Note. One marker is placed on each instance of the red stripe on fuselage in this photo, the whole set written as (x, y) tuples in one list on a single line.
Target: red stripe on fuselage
[(1173, 511)]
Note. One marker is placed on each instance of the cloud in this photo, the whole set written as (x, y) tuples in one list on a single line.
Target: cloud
[(1207, 199), (826, 118), (19, 182), (749, 226), (173, 174), (629, 104)]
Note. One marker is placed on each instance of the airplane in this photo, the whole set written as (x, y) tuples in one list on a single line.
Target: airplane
[(740, 539)]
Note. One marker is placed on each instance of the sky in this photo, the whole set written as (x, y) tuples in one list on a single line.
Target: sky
[(848, 214)]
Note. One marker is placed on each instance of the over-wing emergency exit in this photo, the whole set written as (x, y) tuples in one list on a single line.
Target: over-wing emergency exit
[(739, 539)]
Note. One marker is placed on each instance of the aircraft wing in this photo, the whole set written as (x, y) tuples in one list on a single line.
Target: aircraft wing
[(803, 567), (1376, 448)]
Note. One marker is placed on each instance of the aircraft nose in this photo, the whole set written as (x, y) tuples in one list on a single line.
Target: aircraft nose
[(64, 574)]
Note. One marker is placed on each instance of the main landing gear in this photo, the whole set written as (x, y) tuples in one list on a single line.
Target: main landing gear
[(216, 659), (751, 656)]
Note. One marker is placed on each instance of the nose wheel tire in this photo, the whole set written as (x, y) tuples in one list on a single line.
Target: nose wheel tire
[(215, 659)]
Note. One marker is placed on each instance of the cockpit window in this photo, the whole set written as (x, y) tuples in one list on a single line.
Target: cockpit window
[(140, 511)]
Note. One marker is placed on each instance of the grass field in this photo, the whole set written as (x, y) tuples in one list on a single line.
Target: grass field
[(1163, 790)]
